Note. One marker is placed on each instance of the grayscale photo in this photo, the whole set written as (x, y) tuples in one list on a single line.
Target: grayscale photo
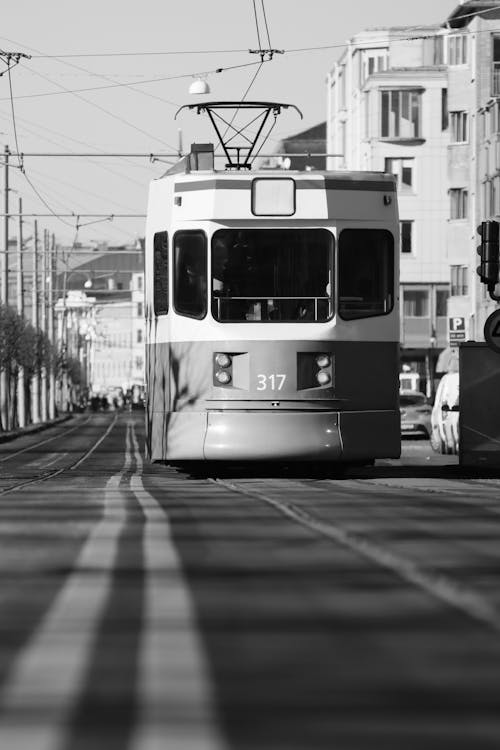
[(250, 375)]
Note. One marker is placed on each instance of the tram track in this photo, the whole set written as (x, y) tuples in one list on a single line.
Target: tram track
[(56, 471), (439, 586)]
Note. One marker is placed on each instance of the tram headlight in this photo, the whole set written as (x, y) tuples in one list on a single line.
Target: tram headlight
[(223, 377), (323, 360), (222, 360), (323, 377)]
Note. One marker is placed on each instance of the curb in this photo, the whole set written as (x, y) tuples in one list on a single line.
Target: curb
[(5, 437)]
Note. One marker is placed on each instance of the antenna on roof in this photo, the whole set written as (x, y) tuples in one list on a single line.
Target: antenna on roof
[(240, 154)]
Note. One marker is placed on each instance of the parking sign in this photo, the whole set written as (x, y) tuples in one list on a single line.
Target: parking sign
[(456, 330)]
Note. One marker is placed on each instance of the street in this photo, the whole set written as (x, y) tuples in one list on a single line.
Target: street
[(146, 606)]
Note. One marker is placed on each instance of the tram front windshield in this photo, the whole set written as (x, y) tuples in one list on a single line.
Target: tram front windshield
[(282, 275)]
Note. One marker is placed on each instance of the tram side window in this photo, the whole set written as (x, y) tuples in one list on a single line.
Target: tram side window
[(190, 269), (160, 273), (366, 273)]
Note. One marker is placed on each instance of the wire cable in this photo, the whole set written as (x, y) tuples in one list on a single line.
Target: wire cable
[(265, 23), (93, 104), (14, 123), (127, 84), (257, 24)]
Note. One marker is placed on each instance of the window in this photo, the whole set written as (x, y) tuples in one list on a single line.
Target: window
[(459, 280), (403, 170), (444, 109), (406, 236), (279, 275), (415, 303), (401, 114), (457, 49), (139, 283), (458, 127), (160, 273), (190, 264), (496, 66), (366, 273), (139, 309), (374, 61), (139, 363), (459, 202), (139, 335), (441, 302)]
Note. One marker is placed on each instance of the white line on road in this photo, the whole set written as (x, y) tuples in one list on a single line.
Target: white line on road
[(176, 709), (437, 585), (47, 678)]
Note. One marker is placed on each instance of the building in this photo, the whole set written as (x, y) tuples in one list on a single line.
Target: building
[(387, 110), (115, 279), (301, 150), (473, 36)]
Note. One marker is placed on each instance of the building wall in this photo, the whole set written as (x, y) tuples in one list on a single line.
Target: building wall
[(138, 329), (112, 362), (378, 61)]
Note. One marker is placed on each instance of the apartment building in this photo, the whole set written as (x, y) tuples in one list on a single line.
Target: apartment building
[(473, 31), (387, 110)]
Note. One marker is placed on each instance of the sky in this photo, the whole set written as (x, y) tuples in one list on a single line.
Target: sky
[(46, 105)]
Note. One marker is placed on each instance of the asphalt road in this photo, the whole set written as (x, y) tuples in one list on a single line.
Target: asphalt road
[(146, 607)]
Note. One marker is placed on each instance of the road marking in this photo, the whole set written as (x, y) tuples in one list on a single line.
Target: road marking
[(437, 585), (47, 678), (175, 697)]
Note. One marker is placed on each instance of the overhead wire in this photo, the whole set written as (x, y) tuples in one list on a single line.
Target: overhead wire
[(93, 104), (14, 126), (129, 84), (265, 23)]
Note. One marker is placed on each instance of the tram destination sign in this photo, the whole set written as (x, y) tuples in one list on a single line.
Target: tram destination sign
[(492, 331)]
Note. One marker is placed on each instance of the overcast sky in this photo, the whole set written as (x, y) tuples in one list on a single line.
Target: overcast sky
[(190, 37)]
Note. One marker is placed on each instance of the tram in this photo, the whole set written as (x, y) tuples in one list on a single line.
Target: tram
[(272, 314)]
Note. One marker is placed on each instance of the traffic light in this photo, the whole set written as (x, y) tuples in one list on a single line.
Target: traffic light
[(490, 253)]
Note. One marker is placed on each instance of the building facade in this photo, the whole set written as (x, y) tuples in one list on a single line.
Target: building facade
[(387, 111), (115, 281), (473, 31)]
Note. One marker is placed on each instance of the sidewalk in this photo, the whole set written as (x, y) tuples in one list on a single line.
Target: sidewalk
[(13, 434)]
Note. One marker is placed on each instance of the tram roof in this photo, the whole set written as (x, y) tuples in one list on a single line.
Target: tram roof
[(246, 175)]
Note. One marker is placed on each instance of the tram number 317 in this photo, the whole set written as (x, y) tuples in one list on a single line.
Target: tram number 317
[(274, 382)]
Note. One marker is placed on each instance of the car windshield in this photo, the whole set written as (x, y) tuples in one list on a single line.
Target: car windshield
[(412, 399), (279, 275)]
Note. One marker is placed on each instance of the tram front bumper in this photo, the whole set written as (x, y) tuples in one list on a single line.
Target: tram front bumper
[(265, 436), (302, 436)]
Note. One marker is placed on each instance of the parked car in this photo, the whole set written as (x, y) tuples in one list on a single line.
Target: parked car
[(415, 413), (445, 413)]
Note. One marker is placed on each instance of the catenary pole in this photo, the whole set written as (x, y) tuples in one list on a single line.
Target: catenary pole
[(21, 394), (43, 326), (50, 328), (35, 380), (4, 294)]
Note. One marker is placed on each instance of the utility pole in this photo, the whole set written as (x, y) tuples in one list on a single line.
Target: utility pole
[(5, 263), (50, 328), (4, 294), (21, 395), (35, 380), (43, 325)]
